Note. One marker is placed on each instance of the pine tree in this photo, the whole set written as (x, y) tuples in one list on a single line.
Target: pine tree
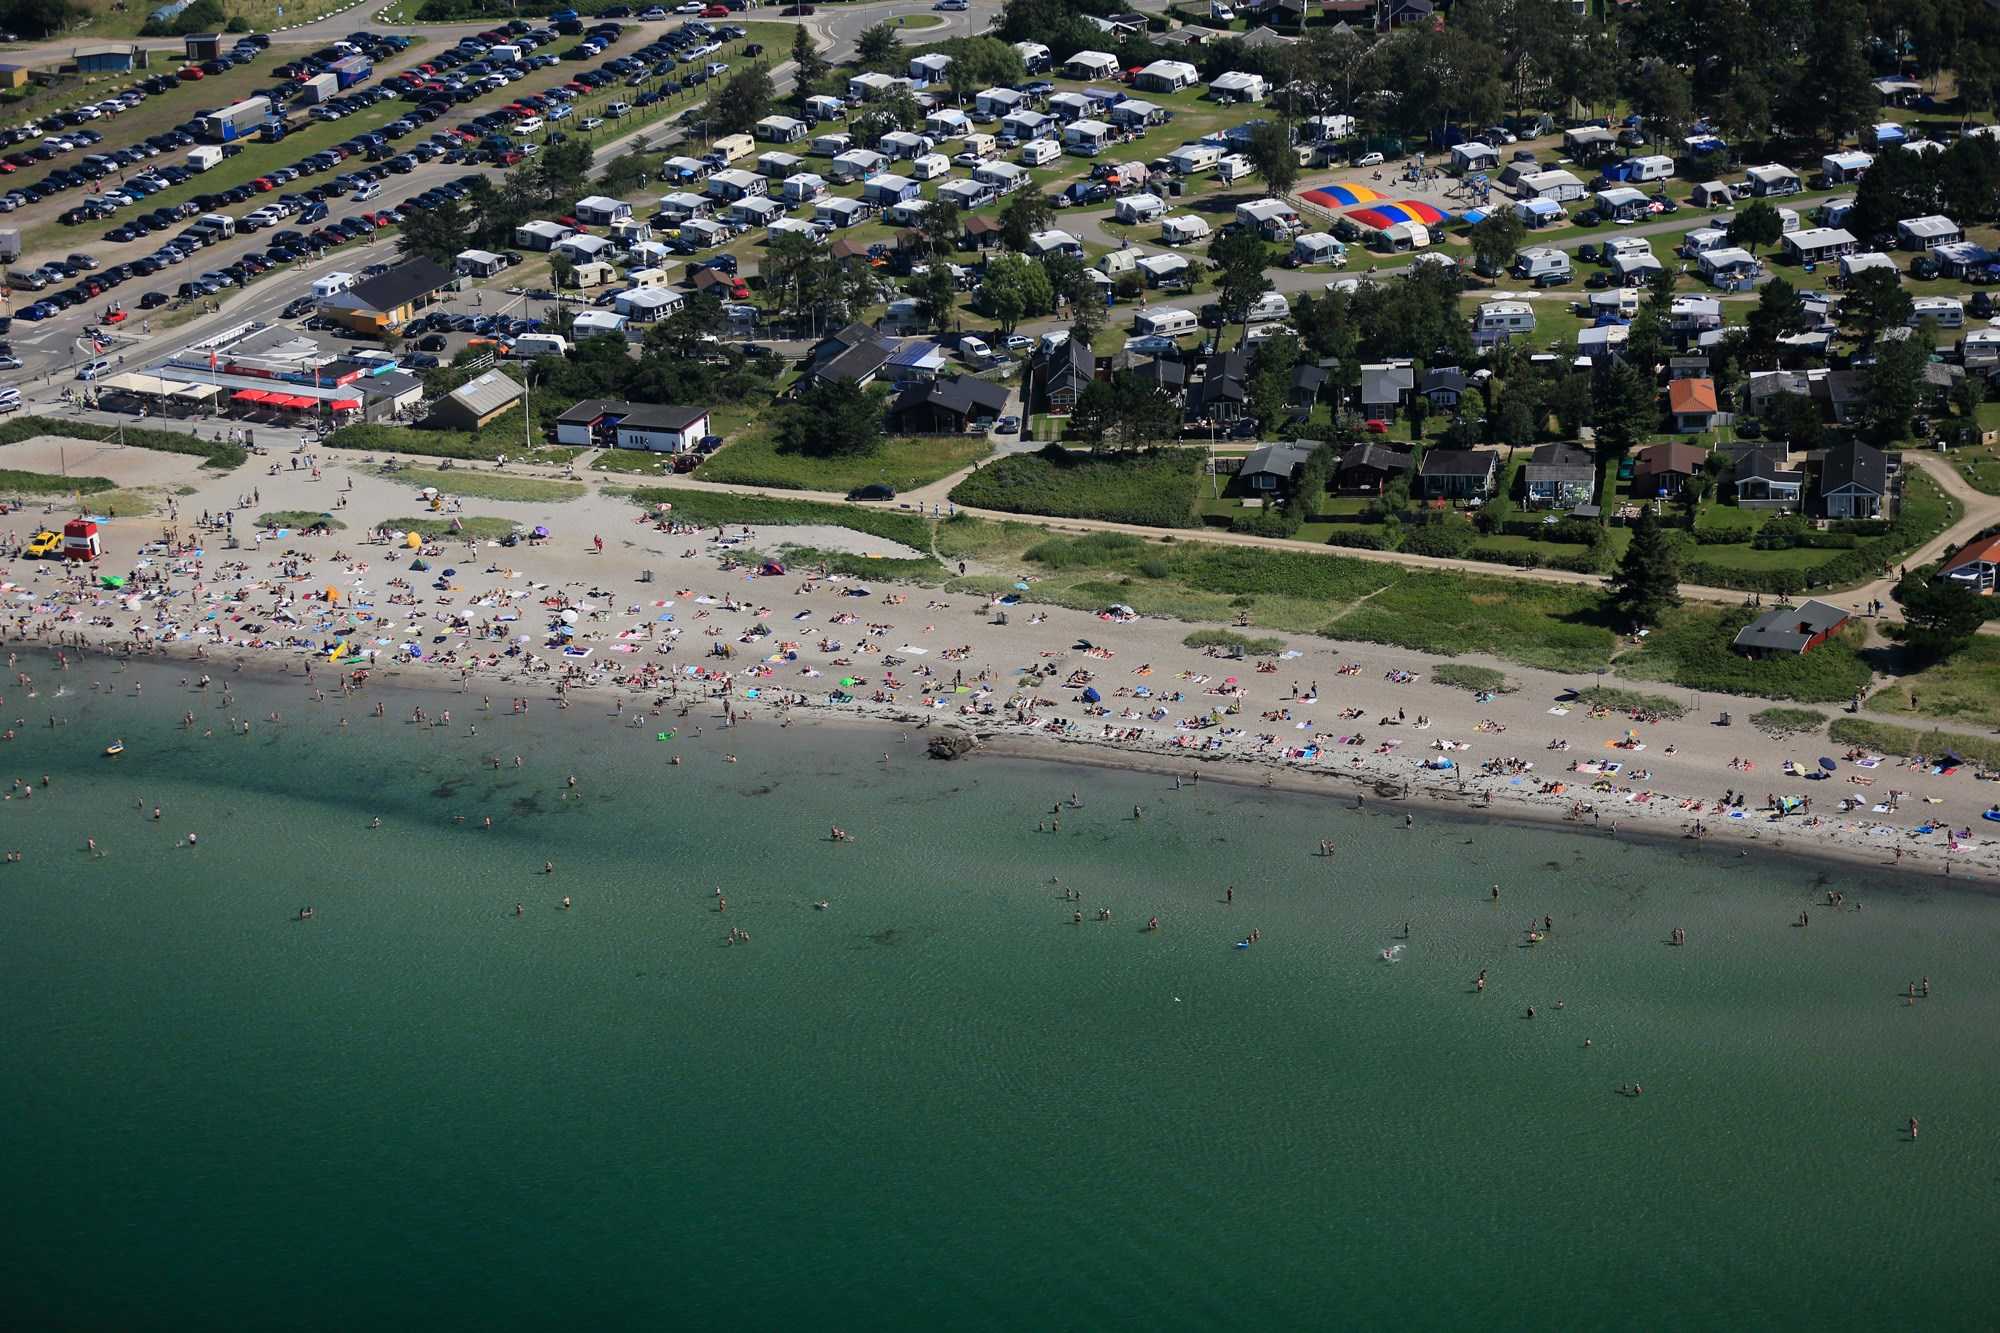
[(1647, 583)]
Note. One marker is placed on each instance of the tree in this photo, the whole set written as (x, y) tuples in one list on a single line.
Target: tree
[(562, 271), (1660, 93), (937, 297), (561, 170), (939, 226), (1270, 151), (1026, 213), (39, 18), (1874, 300), (742, 102), (624, 173), (1496, 239), (1893, 385), (879, 48), (1647, 583), (980, 62), (1270, 385), (1756, 223), (832, 419), (1832, 95), (1241, 257), (1015, 288), (1776, 315), (809, 66), (1938, 618), (435, 233), (1626, 409)]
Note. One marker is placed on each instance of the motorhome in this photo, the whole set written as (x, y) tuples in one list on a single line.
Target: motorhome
[(1167, 323)]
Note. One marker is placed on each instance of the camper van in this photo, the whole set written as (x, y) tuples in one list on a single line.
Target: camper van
[(220, 224), (733, 146), (1945, 311), (333, 284), (1270, 306), (1619, 246), (1040, 152), (539, 344), (1166, 323), (975, 351), (1542, 264), (1233, 167)]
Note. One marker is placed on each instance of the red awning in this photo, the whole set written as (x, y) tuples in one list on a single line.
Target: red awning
[(249, 396), (346, 404), (293, 400)]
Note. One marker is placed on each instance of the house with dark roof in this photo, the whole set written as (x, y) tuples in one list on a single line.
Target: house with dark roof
[(855, 353), (1164, 374), (1385, 388), (1308, 381), (945, 406), (1761, 478), (1844, 394), (1559, 476), (1664, 469), (592, 423), (1853, 482), (1271, 469), (1791, 631), (386, 302), (1457, 474), (661, 428), (1443, 387), (1366, 469), (1061, 373)]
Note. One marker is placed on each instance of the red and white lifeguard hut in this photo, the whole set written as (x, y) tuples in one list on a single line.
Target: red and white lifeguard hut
[(80, 540)]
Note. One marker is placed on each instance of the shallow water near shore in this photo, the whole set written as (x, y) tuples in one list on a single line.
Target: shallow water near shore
[(937, 1102)]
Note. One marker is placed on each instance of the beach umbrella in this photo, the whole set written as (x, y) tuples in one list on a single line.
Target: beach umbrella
[(1827, 763), (449, 572), (569, 617), (541, 531), (1090, 695), (413, 541)]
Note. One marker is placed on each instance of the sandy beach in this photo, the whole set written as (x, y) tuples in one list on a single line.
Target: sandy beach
[(622, 610)]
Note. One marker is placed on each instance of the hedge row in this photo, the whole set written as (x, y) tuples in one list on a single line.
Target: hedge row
[(215, 453)]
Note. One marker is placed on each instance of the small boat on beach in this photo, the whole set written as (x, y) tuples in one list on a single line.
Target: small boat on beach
[(113, 750)]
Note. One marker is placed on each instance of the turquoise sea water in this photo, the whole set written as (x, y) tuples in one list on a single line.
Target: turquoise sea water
[(938, 1103)]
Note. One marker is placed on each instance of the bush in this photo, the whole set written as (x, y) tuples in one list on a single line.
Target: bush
[(1363, 539), (1476, 678), (1508, 556), (237, 23), (428, 443), (222, 457), (1451, 537), (1229, 638), (201, 16)]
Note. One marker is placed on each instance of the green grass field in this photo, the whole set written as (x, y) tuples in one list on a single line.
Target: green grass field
[(486, 485), (1157, 489), (1692, 650), (902, 462), (106, 18), (1963, 688)]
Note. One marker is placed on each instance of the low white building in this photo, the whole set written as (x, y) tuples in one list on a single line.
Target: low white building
[(643, 305)]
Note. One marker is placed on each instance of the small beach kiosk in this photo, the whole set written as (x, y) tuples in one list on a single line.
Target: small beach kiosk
[(80, 540)]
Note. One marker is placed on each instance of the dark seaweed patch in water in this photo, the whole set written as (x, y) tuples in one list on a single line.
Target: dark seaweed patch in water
[(527, 805), (447, 789), (890, 936), (764, 790), (1552, 865)]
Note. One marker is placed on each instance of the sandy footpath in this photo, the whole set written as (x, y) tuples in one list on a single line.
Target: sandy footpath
[(661, 620)]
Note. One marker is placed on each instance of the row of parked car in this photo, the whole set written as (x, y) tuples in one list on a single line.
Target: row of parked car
[(286, 247)]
